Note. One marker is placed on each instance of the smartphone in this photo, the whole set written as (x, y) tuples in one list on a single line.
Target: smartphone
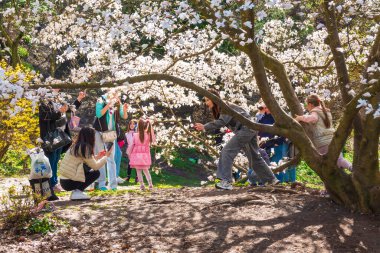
[(109, 145), (124, 98)]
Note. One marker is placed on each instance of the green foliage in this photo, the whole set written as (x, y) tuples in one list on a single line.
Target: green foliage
[(22, 52), (27, 65), (41, 226), (13, 163), (228, 48), (27, 39), (306, 175), (273, 14), (305, 32)]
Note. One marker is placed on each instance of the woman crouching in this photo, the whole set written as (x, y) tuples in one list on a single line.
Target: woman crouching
[(80, 168)]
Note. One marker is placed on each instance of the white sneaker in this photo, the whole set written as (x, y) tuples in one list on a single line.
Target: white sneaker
[(57, 188), (274, 182), (79, 195), (120, 180), (225, 185)]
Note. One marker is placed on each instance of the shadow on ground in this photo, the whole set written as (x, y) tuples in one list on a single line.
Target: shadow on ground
[(207, 220)]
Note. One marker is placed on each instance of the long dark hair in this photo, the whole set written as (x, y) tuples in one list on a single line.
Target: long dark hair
[(117, 112), (216, 108), (316, 101), (143, 126), (84, 144)]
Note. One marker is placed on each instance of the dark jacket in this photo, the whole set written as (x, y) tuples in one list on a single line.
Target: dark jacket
[(100, 124), (272, 140), (266, 119), (48, 116)]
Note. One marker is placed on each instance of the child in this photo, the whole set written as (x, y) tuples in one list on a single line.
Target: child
[(139, 152), (129, 137)]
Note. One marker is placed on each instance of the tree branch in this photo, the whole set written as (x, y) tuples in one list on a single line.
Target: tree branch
[(335, 44), (343, 130), (279, 72), (193, 55), (165, 77), (322, 67), (294, 161)]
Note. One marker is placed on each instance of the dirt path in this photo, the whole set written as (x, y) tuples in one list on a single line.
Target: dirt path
[(205, 220)]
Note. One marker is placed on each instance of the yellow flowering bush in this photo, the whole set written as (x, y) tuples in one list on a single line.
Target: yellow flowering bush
[(18, 132)]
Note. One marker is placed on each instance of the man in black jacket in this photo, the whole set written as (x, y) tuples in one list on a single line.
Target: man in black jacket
[(48, 115)]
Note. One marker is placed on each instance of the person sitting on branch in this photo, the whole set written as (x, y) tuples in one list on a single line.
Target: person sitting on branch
[(320, 119)]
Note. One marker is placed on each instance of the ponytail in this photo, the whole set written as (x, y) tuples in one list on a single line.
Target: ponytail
[(326, 119), (141, 128), (149, 129)]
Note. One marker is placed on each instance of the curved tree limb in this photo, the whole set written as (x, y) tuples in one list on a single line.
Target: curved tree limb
[(345, 124), (303, 68), (193, 55), (282, 77), (176, 80), (294, 161), (335, 45)]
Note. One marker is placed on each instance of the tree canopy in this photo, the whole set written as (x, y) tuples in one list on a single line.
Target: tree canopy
[(172, 51)]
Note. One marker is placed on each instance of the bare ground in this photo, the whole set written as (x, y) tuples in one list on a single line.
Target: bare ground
[(205, 220)]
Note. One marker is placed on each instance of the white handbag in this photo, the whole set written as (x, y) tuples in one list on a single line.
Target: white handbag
[(109, 136)]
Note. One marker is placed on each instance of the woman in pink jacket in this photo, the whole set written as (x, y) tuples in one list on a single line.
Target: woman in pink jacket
[(139, 152)]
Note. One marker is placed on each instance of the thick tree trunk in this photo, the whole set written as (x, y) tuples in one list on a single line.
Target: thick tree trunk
[(360, 190), (15, 58), (3, 150)]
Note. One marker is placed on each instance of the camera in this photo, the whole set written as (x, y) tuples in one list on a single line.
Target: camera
[(109, 145), (124, 98)]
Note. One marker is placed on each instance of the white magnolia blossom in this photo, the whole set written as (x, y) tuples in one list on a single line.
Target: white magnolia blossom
[(170, 36)]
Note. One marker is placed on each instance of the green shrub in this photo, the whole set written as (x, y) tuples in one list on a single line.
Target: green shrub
[(27, 39), (13, 163), (22, 52), (17, 208), (41, 226)]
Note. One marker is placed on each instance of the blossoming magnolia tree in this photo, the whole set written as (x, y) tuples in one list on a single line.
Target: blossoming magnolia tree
[(173, 51)]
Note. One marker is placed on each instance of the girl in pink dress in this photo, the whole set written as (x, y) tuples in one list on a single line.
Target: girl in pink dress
[(139, 152)]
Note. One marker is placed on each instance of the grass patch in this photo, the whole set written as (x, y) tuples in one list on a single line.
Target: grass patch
[(307, 176), (166, 179), (99, 193)]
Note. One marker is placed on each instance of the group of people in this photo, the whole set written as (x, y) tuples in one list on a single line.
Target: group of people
[(274, 149), (95, 154), (319, 118)]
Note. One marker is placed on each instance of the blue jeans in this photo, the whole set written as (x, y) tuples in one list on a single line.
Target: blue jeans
[(290, 174), (118, 159), (111, 165), (53, 159), (280, 152)]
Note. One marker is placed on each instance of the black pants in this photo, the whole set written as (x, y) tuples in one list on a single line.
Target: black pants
[(129, 171), (70, 185)]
